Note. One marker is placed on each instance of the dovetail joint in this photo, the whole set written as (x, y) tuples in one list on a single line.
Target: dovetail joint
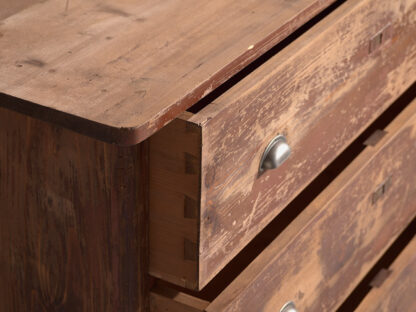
[(191, 208), (191, 164), (379, 279), (375, 138), (190, 250)]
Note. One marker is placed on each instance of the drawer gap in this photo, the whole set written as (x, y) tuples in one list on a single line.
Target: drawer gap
[(295, 208), (370, 280), (210, 97)]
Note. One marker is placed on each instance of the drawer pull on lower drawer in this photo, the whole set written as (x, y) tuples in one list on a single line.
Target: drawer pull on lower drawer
[(289, 307), (275, 154)]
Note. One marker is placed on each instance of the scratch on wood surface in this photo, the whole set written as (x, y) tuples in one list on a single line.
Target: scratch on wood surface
[(249, 219), (113, 10), (34, 62)]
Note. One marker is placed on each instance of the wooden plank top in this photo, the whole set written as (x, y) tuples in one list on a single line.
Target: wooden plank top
[(121, 70)]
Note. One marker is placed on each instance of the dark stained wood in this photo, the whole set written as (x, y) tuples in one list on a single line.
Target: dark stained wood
[(321, 257), (321, 91), (121, 70), (398, 290), (73, 234), (141, 203)]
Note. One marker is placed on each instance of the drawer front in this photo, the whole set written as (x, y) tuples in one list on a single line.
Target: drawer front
[(320, 92), (321, 257), (398, 291)]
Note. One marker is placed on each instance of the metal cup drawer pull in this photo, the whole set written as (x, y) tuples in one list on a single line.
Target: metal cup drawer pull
[(276, 153), (289, 307)]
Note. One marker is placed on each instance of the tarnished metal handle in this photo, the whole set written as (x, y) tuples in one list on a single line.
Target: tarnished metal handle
[(289, 307), (276, 153)]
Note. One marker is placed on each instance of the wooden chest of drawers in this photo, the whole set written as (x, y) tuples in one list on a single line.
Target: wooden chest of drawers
[(207, 156)]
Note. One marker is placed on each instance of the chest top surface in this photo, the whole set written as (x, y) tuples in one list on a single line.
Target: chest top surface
[(121, 70)]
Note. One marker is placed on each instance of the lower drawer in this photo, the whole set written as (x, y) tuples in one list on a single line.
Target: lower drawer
[(325, 252), (398, 291)]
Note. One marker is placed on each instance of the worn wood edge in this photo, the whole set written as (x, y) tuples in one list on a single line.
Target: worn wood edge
[(113, 135), (131, 135), (405, 259), (273, 251), (274, 65)]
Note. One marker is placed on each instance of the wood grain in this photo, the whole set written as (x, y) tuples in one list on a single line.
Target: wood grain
[(121, 70), (73, 234), (397, 292), (321, 91), (321, 257), (8, 8), (169, 300), (175, 178)]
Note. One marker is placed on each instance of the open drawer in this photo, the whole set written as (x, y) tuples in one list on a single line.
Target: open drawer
[(331, 245), (208, 198)]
